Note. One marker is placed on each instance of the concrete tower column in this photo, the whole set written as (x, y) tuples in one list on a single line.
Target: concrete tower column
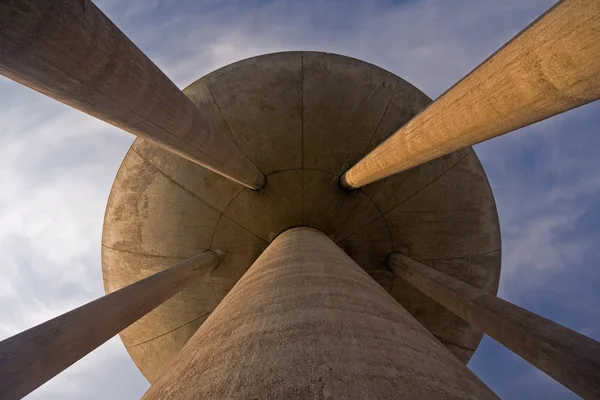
[(33, 357), (550, 67), (69, 50), (565, 355), (306, 321)]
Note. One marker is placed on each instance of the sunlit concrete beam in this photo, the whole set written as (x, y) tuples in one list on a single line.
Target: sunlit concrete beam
[(550, 67), (567, 356), (31, 358)]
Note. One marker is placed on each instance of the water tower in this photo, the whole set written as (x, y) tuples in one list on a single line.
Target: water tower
[(300, 224)]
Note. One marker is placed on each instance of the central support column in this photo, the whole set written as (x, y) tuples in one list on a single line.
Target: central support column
[(305, 322)]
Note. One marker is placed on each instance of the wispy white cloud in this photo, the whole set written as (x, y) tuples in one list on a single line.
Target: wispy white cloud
[(430, 43), (56, 170), (546, 185)]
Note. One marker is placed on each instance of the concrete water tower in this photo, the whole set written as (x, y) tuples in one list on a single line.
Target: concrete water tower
[(300, 224)]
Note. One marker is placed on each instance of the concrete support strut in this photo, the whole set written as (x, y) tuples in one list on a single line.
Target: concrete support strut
[(567, 356), (306, 321), (31, 358), (550, 67), (69, 50)]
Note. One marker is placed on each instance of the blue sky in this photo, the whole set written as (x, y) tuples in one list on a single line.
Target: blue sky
[(57, 166)]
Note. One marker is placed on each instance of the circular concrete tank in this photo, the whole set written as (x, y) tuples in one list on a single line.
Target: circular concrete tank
[(303, 118)]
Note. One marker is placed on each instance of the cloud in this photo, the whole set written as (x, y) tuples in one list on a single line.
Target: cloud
[(546, 185), (94, 377), (430, 43), (56, 170)]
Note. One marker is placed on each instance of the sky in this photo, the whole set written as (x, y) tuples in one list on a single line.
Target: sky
[(57, 166)]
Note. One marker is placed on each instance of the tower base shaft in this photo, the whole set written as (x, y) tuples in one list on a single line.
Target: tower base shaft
[(305, 322)]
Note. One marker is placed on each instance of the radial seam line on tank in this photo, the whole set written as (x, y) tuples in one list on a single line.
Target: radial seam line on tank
[(235, 222), (368, 223), (212, 237), (225, 119), (394, 277), (143, 254), (175, 182), (430, 183), (277, 171), (244, 228), (443, 341), (212, 288), (305, 169), (231, 201), (166, 333), (386, 227), (198, 198), (451, 258), (302, 140), (381, 119), (301, 169), (235, 197)]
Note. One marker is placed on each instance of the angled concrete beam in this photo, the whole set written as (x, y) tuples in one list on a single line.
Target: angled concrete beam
[(550, 67), (70, 51), (306, 322), (565, 355), (31, 358)]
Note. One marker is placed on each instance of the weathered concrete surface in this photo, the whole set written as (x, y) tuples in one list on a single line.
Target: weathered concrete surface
[(567, 356), (306, 321), (31, 358), (240, 247), (266, 120), (272, 210), (191, 176), (161, 205), (331, 106), (70, 51), (145, 205), (145, 354), (550, 67), (454, 213), (192, 302), (329, 208), (474, 270)]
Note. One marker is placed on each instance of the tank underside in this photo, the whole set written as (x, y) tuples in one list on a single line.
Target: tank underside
[(303, 118)]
